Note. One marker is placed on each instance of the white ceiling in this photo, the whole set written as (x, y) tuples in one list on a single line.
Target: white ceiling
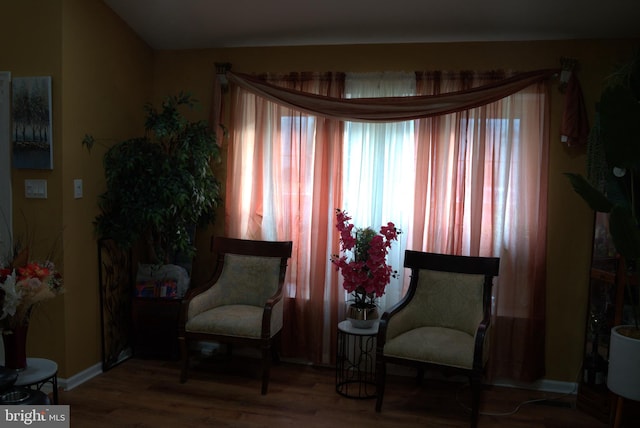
[(194, 24)]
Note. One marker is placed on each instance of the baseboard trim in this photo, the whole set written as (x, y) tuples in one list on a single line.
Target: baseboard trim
[(546, 385), (80, 378)]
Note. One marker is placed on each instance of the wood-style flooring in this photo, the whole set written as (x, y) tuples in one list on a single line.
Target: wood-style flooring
[(225, 392)]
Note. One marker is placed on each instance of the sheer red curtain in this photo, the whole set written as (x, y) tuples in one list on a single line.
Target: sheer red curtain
[(481, 189), (283, 183)]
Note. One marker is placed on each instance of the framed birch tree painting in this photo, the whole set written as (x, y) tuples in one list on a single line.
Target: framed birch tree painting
[(31, 132)]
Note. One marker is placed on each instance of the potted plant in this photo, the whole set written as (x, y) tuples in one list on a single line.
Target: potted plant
[(611, 187), (366, 273), (160, 186)]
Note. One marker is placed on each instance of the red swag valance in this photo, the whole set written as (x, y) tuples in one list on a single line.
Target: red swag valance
[(393, 109)]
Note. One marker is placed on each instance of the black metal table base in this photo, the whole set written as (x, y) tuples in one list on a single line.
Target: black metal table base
[(355, 362)]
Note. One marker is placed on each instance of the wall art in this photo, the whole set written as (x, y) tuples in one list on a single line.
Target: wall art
[(31, 132)]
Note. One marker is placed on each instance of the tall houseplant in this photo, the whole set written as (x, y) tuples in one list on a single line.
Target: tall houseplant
[(612, 187), (161, 185)]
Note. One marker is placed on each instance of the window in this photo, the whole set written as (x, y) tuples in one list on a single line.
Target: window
[(378, 168), (470, 182)]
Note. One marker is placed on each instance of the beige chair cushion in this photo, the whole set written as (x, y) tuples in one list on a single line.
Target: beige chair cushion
[(229, 320), (433, 345)]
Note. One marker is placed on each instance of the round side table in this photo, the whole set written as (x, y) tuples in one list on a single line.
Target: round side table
[(39, 371), (356, 361)]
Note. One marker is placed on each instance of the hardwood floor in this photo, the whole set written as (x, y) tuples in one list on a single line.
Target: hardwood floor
[(226, 393)]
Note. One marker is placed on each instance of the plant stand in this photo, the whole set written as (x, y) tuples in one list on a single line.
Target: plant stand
[(356, 361), (115, 281)]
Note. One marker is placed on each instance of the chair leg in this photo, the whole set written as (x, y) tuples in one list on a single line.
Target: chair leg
[(266, 367), (476, 386), (381, 374), (184, 351)]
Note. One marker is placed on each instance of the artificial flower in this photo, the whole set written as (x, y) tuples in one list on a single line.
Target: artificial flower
[(363, 265), (24, 286)]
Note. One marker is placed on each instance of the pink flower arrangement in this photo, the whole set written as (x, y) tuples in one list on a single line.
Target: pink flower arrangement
[(366, 274)]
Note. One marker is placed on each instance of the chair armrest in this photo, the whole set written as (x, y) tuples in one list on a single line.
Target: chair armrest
[(385, 319), (482, 336), (192, 294), (272, 317), (197, 290)]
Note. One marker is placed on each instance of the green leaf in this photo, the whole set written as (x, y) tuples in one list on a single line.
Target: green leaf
[(594, 197)]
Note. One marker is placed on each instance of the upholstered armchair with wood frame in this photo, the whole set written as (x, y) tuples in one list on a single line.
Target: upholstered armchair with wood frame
[(242, 302), (443, 321)]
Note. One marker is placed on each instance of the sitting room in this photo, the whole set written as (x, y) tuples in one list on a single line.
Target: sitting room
[(344, 213)]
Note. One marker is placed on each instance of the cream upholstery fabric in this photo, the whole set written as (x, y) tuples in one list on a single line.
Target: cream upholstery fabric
[(433, 345), (235, 304), (230, 320), (439, 325)]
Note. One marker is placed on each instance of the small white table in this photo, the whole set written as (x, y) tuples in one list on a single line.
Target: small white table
[(39, 371), (356, 361)]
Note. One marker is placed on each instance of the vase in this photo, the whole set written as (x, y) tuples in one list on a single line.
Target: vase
[(15, 347), (362, 317), (624, 371)]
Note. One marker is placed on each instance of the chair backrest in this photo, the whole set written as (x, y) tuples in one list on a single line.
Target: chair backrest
[(250, 272), (449, 291)]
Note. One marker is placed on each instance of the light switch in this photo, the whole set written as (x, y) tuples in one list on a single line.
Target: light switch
[(77, 188), (35, 189)]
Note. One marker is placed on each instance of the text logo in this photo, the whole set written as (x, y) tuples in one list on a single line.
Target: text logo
[(34, 416)]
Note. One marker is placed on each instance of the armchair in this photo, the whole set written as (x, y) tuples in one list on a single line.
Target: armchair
[(242, 302), (443, 321)]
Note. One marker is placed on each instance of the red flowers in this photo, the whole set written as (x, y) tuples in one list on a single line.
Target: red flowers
[(367, 273), (33, 270), (23, 287)]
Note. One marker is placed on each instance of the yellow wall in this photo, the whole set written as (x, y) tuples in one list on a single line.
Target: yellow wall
[(106, 73), (31, 31), (570, 222), (101, 78), (103, 74)]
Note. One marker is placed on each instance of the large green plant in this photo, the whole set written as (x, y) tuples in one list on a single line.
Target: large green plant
[(614, 163), (161, 185)]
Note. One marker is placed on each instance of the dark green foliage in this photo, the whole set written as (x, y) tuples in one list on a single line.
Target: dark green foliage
[(161, 185), (614, 142), (619, 112), (363, 242), (614, 145), (595, 198)]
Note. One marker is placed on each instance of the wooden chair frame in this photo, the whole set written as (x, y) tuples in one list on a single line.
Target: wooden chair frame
[(416, 261), (268, 341)]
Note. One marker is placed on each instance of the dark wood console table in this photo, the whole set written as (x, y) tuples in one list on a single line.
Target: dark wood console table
[(155, 326)]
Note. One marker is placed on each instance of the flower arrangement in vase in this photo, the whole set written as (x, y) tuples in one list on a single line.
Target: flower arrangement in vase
[(363, 265), (23, 284)]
